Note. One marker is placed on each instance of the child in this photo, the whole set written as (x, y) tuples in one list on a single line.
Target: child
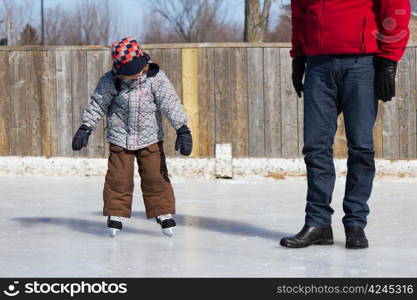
[(132, 97)]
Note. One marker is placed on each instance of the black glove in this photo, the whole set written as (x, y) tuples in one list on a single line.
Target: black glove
[(385, 78), (298, 68), (184, 141), (81, 137)]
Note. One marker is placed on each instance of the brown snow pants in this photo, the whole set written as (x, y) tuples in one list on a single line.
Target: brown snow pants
[(157, 191)]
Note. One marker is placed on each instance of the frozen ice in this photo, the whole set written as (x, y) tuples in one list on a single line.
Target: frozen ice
[(53, 227)]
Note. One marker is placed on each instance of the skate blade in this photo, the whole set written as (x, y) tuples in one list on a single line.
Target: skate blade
[(113, 232), (168, 231)]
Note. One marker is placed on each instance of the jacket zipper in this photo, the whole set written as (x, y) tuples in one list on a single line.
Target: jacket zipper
[(321, 24), (363, 44), (139, 97)]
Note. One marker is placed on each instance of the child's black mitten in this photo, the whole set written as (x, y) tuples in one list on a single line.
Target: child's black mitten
[(81, 137), (184, 140)]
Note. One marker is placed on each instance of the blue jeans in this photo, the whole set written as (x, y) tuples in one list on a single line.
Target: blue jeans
[(335, 84)]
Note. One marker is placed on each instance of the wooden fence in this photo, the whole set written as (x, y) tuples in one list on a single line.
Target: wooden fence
[(233, 93)]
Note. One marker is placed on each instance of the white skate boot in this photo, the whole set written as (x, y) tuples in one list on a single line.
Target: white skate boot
[(114, 224), (167, 222)]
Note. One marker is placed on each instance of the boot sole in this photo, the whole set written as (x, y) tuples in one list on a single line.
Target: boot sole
[(356, 246), (321, 242), (325, 242)]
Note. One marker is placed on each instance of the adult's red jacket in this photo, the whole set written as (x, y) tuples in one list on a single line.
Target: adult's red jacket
[(350, 27)]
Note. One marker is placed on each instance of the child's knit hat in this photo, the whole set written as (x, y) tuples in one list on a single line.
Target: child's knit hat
[(128, 57)]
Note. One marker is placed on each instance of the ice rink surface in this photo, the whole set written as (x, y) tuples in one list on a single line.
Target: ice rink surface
[(53, 227)]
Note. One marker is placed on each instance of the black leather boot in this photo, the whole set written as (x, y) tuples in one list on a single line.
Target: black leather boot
[(355, 238), (308, 236)]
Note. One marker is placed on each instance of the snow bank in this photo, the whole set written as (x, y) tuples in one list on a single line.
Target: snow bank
[(199, 168)]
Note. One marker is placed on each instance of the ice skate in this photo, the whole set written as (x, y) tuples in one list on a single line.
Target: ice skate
[(167, 222), (114, 225)]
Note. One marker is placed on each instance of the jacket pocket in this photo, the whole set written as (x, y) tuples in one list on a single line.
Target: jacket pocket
[(154, 148)]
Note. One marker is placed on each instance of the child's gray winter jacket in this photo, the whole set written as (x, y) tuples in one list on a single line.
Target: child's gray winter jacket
[(134, 118)]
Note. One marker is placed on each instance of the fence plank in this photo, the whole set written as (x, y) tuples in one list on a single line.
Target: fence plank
[(49, 123), (256, 102), (95, 71), (410, 89), (33, 102), (272, 100), (391, 127), (4, 104), (239, 99), (207, 114), (407, 105), (18, 122), (79, 93), (402, 106), (222, 96), (64, 103), (190, 94), (158, 57), (173, 69), (289, 105)]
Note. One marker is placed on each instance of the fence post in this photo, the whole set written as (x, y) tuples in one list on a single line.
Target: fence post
[(224, 161)]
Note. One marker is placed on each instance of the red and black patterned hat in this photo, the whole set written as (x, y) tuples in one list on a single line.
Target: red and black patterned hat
[(128, 56)]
